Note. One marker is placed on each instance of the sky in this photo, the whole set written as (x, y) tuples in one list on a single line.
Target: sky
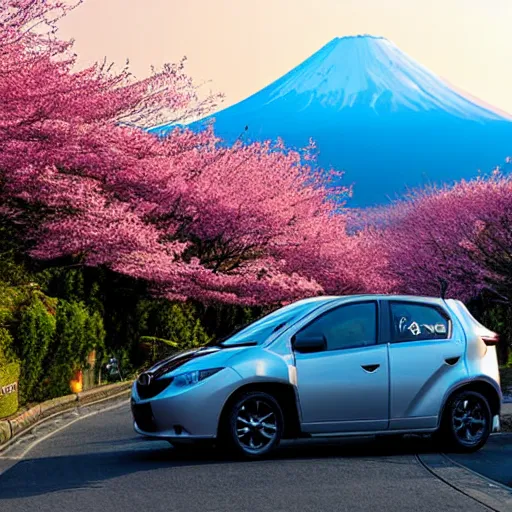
[(239, 46)]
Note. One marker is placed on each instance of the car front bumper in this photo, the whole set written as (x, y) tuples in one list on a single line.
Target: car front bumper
[(188, 413)]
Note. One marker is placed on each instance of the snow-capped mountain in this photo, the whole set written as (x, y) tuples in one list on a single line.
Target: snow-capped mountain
[(377, 114)]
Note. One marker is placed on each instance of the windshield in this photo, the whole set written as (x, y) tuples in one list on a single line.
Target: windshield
[(260, 330)]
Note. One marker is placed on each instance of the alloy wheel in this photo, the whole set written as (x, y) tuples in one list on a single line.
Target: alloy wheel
[(256, 425), (469, 420)]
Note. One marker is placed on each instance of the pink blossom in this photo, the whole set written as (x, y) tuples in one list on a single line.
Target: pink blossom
[(462, 234), (247, 224)]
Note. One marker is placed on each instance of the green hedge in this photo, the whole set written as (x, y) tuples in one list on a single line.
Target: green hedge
[(77, 333), (34, 337), (9, 374)]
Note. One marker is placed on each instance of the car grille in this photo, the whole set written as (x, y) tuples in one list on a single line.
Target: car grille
[(143, 416), (154, 388)]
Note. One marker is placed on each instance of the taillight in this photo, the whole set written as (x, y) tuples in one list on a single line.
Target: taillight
[(491, 339)]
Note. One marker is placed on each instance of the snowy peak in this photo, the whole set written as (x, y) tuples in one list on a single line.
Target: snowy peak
[(377, 114), (373, 72)]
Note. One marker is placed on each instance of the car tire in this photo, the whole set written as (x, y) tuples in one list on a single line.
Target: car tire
[(466, 423), (253, 426)]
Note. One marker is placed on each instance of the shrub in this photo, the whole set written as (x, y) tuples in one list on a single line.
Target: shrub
[(77, 333), (7, 354), (34, 337), (156, 349), (8, 302), (165, 327)]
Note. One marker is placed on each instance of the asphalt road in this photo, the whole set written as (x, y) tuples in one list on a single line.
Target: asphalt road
[(99, 464)]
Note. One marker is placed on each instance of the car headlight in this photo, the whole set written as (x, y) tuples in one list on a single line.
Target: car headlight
[(193, 377)]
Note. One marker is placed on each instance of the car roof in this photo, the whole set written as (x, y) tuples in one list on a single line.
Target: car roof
[(415, 298)]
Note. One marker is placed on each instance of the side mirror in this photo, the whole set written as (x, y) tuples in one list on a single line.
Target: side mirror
[(309, 343)]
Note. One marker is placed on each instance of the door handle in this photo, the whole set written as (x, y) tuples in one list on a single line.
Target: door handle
[(452, 360), (370, 368)]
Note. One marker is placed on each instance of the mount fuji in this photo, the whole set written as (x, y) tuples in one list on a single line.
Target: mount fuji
[(375, 113)]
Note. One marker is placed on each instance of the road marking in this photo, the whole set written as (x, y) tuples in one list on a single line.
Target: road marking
[(46, 436)]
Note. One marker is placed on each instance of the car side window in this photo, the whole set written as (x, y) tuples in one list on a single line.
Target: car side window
[(348, 326), (418, 322)]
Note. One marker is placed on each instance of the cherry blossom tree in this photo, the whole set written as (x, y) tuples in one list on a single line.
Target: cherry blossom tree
[(247, 224), (460, 234)]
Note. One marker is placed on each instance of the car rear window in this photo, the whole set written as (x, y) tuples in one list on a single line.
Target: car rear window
[(418, 322)]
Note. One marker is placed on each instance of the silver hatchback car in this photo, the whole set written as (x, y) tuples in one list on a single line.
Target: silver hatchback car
[(331, 366)]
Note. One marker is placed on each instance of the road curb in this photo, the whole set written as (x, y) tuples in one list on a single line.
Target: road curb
[(14, 426), (487, 492)]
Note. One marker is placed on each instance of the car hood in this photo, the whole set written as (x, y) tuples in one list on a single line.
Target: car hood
[(188, 360)]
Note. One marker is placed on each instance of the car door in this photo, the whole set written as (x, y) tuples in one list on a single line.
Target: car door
[(426, 356), (344, 387)]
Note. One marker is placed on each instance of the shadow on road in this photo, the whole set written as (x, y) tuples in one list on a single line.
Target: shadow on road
[(88, 470)]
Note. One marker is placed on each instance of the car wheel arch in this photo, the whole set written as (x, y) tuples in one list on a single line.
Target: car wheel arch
[(480, 385), (285, 395)]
